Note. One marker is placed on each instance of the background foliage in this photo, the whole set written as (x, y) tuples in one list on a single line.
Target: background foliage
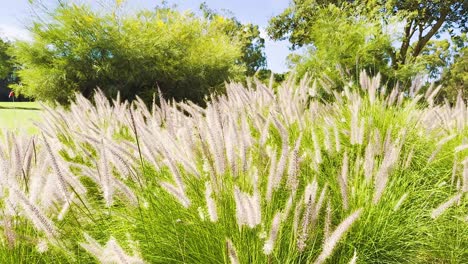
[(185, 56), (188, 55), (399, 38), (7, 70)]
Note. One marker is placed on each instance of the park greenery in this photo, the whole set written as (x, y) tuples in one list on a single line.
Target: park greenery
[(78, 49), (19, 116), (400, 39), (188, 55), (162, 136)]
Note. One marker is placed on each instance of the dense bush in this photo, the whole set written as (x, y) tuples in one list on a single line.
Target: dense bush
[(255, 177), (78, 50)]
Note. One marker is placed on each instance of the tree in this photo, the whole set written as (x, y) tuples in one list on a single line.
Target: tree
[(252, 48), (454, 75), (342, 51), (455, 79), (408, 53), (423, 20), (7, 70), (248, 35), (78, 50), (266, 75), (6, 66)]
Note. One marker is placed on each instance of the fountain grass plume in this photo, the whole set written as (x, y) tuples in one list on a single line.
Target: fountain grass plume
[(258, 175)]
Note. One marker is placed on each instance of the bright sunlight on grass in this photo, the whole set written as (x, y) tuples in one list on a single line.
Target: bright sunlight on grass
[(19, 115), (257, 176)]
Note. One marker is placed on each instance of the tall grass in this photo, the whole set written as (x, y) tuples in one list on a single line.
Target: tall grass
[(258, 176)]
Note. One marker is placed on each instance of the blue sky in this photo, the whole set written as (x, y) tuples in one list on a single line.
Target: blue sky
[(15, 16)]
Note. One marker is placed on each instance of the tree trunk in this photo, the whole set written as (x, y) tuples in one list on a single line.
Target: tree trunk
[(423, 40), (405, 43)]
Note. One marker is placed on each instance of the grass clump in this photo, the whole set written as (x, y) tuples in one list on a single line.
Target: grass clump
[(255, 177)]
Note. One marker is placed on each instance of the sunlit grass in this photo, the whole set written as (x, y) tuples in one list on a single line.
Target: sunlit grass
[(255, 177), (19, 116)]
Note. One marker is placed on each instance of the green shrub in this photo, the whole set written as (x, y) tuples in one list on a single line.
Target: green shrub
[(79, 50)]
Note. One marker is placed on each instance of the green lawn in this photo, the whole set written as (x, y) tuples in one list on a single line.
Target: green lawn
[(19, 116)]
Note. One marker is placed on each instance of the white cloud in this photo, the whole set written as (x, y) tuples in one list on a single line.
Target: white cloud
[(13, 32)]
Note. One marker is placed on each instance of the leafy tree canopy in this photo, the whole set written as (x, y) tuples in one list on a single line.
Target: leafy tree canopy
[(454, 76), (7, 70), (357, 35), (343, 45), (248, 35), (77, 49), (6, 66)]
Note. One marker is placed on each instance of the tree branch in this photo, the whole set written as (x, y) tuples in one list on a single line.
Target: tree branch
[(422, 41)]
